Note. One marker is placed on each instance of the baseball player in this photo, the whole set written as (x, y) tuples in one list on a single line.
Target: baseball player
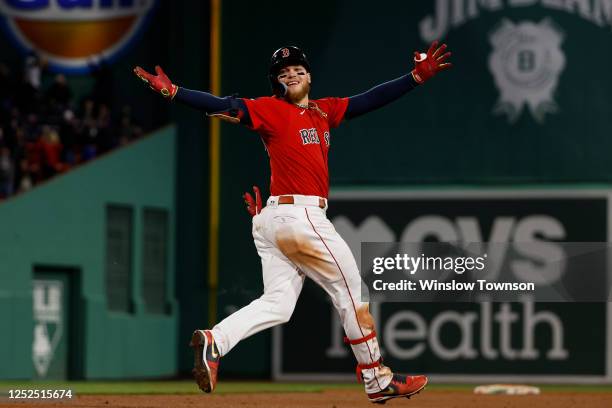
[(292, 234)]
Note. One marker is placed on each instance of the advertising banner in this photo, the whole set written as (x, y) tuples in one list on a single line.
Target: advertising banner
[(469, 339)]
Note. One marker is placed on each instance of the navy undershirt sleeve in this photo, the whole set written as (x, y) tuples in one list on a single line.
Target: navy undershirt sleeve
[(209, 103), (358, 105), (379, 96)]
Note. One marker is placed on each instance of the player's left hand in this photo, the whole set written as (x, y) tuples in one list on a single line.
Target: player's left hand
[(428, 65), (253, 205), (159, 83)]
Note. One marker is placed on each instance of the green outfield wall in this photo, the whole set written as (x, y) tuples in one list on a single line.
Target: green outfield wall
[(176, 37), (63, 235)]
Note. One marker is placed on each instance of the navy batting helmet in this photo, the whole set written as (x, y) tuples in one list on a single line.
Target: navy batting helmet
[(290, 55)]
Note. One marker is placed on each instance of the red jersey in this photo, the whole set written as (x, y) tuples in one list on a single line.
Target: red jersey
[(297, 140)]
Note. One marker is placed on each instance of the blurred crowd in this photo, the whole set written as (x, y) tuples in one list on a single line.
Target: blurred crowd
[(45, 131)]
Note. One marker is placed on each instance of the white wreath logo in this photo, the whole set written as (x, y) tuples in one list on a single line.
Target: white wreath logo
[(526, 63)]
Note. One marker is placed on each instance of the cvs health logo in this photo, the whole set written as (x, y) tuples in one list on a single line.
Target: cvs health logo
[(69, 34)]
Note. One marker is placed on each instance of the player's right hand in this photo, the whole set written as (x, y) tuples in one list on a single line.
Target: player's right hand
[(253, 205), (159, 83)]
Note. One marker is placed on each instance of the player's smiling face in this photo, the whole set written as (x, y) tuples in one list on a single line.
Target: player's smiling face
[(297, 80)]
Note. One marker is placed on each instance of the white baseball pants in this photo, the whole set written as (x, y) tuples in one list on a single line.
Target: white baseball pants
[(294, 240)]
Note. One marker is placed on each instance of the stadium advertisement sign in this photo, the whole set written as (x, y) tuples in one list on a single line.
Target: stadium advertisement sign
[(72, 34), (470, 341)]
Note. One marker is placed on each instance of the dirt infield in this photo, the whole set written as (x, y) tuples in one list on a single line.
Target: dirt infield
[(329, 399)]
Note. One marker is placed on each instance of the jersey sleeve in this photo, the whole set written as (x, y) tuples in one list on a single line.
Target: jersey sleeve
[(262, 113), (335, 109)]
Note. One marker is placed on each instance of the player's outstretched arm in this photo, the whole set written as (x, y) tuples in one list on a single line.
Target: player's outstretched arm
[(228, 108), (426, 66)]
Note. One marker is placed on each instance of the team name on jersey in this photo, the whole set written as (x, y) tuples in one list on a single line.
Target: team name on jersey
[(310, 136)]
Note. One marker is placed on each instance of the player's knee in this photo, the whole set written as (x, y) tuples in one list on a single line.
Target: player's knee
[(277, 304), (364, 317), (361, 312), (285, 316), (284, 312)]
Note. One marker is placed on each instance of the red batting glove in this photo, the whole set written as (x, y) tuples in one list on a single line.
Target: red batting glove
[(159, 83), (253, 206), (428, 65)]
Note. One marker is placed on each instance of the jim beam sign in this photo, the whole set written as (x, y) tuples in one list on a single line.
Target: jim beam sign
[(501, 341), (527, 58)]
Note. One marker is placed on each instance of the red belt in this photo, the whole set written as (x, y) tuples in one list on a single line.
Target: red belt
[(287, 199)]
